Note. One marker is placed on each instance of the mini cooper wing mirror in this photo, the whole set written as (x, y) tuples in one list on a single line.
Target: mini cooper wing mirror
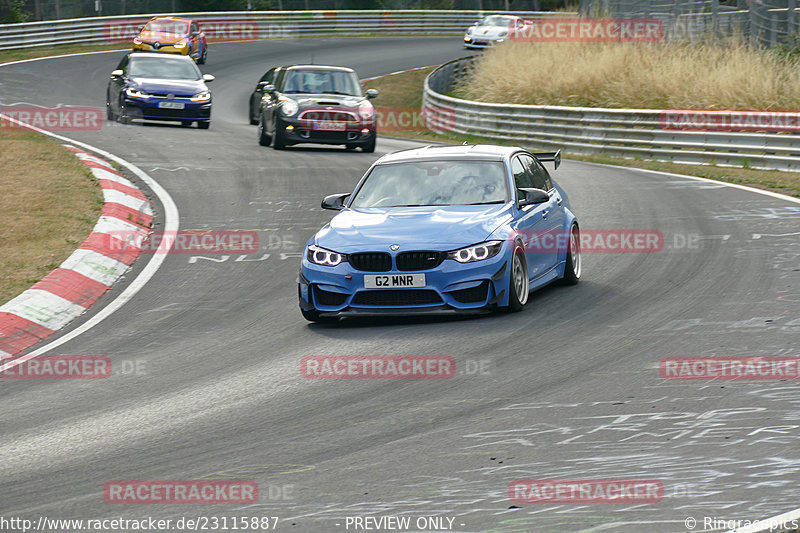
[(335, 201), (372, 93), (208, 78), (268, 88), (116, 73), (530, 196)]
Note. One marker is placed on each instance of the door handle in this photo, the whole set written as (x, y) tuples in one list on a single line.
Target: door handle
[(545, 213), (560, 201)]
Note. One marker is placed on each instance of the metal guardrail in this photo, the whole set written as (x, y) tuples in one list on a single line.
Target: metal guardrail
[(628, 133), (250, 25)]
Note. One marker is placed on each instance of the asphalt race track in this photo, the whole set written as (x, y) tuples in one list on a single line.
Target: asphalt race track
[(569, 388)]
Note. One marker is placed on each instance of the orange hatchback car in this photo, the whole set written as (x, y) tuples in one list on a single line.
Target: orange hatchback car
[(172, 35)]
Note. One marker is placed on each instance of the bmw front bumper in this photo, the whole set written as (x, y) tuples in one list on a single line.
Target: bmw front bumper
[(449, 287)]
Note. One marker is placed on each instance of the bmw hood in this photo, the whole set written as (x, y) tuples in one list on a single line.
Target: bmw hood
[(162, 86), (412, 228)]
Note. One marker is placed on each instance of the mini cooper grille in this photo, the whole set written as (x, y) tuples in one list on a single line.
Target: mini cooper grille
[(472, 295), (398, 297), (419, 260), (327, 116), (323, 297), (371, 261)]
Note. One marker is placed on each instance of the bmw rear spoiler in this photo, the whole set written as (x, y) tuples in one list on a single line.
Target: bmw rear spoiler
[(555, 157)]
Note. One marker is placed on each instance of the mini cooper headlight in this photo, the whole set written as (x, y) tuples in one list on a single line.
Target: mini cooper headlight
[(204, 96), (136, 93), (366, 110), (321, 256), (289, 107), (476, 252)]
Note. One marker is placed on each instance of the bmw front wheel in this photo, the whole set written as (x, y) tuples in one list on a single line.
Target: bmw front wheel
[(572, 270), (518, 287)]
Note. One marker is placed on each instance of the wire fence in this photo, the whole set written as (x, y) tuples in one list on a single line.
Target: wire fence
[(763, 22)]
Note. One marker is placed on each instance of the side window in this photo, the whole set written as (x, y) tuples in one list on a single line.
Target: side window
[(541, 179), (268, 76), (522, 179), (280, 73)]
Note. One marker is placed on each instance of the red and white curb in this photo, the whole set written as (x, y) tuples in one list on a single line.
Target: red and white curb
[(69, 290)]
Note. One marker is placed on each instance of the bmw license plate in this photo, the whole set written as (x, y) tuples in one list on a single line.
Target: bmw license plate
[(330, 126), (170, 105), (394, 281)]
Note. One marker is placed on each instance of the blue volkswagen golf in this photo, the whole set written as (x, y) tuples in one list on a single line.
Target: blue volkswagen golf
[(442, 229)]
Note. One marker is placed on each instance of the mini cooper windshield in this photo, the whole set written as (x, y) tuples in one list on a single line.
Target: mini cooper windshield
[(434, 183), (318, 81), (163, 68)]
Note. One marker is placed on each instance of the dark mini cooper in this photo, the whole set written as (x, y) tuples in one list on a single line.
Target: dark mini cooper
[(159, 87), (313, 104)]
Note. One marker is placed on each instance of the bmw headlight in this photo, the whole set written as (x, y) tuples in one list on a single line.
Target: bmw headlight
[(204, 96), (476, 252), (321, 256), (289, 107), (366, 110), (136, 93)]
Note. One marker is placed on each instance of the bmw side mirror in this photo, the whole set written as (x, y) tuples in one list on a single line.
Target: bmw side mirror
[(335, 201), (116, 73), (372, 93), (530, 196), (208, 78)]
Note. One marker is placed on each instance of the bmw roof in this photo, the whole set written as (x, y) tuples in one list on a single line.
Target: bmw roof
[(489, 152)]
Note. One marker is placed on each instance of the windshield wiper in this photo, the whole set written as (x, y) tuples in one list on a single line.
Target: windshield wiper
[(487, 203)]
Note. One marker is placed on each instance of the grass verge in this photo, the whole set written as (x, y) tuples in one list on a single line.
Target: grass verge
[(405, 91), (49, 205)]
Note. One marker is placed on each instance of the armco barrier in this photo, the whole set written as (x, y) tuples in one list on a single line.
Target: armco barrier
[(270, 24), (629, 133)]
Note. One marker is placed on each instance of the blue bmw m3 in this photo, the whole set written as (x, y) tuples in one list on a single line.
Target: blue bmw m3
[(442, 229)]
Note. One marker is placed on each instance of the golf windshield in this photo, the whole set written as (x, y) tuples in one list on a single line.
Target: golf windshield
[(432, 183), (164, 68)]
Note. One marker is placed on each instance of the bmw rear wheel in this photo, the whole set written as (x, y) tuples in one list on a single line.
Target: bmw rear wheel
[(572, 270), (518, 287), (202, 59)]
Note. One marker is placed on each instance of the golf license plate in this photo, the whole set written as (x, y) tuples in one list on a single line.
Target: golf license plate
[(330, 126), (394, 281), (170, 105)]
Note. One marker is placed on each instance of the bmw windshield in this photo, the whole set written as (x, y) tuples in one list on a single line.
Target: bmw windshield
[(434, 183)]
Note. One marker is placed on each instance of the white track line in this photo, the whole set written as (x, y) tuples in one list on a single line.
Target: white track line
[(171, 224)]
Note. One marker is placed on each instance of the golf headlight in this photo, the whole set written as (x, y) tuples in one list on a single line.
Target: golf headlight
[(136, 93), (476, 252), (289, 107), (204, 96), (366, 110), (321, 256), (179, 45)]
